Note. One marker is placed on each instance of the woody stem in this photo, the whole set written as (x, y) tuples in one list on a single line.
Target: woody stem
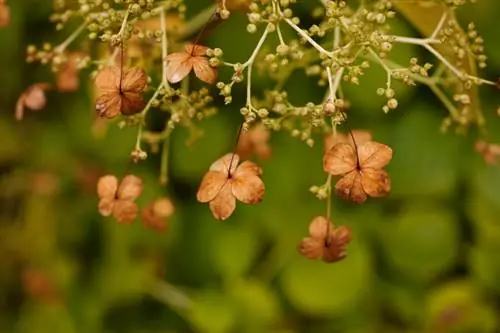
[(329, 197)]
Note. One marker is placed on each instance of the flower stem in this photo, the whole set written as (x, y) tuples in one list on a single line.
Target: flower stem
[(164, 48), (249, 64), (71, 38), (165, 154)]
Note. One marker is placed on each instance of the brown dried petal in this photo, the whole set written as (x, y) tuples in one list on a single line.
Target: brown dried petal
[(336, 248), (178, 67), (67, 78), (375, 182), (349, 187), (163, 207), (125, 211), (196, 50), (223, 163), (318, 228), (131, 103), (211, 185), (107, 187), (374, 155), (130, 188), (311, 248), (106, 206), (203, 70), (4, 15), (340, 160), (151, 219), (247, 187), (360, 137), (35, 97), (108, 79), (134, 80), (223, 205), (108, 105)]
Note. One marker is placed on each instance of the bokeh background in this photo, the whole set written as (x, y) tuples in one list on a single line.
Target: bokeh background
[(423, 260)]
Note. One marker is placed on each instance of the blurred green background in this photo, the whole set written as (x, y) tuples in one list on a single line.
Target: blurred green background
[(423, 260)]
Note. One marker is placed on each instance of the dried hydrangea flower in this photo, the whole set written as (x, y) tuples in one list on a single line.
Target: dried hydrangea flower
[(67, 79), (155, 214), (361, 168), (121, 91), (360, 136), (227, 181), (193, 58), (32, 98), (4, 14), (255, 141), (118, 200), (325, 241)]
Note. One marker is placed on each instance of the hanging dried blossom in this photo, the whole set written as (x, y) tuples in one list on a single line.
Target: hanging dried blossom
[(32, 98), (193, 58), (118, 199)]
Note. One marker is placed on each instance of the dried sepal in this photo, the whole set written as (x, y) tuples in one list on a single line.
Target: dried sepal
[(227, 181), (180, 64), (361, 167), (32, 98), (325, 241), (117, 199), (120, 91), (156, 213)]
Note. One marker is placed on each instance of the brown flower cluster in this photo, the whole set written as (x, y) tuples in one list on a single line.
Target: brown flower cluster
[(325, 241), (120, 91), (4, 14), (155, 214), (490, 151), (117, 199), (226, 181), (361, 167), (193, 58), (255, 141), (32, 98)]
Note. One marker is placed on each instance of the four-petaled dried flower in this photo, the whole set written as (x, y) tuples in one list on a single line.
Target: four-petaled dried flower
[(227, 181), (118, 200), (490, 151), (67, 79), (4, 14), (255, 140), (361, 168), (360, 136), (325, 241), (121, 91), (32, 98), (193, 58), (155, 214)]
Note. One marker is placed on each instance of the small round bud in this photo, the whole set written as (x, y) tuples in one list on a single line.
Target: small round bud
[(392, 103), (282, 49), (251, 28)]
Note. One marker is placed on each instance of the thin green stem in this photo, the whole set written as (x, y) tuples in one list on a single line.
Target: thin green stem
[(446, 101), (71, 38), (249, 64), (164, 48), (165, 157)]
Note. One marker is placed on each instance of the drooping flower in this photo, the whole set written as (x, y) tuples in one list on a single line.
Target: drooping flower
[(155, 214), (118, 199), (325, 241), (180, 64), (120, 91), (32, 98), (227, 181), (255, 141), (361, 168)]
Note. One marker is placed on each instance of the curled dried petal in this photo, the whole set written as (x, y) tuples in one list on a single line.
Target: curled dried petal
[(107, 187), (134, 80), (340, 160), (203, 70), (178, 67), (374, 155), (163, 207), (125, 211), (376, 183), (151, 219), (108, 105), (349, 187), (247, 188), (106, 206), (108, 79), (130, 188), (223, 205), (318, 228), (226, 161), (311, 248), (195, 50)]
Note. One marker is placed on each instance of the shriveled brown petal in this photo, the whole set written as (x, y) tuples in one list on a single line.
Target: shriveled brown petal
[(163, 207), (340, 160), (375, 182), (108, 79), (248, 168), (106, 206), (311, 248), (35, 97), (211, 185), (360, 136), (131, 103), (203, 70), (223, 205), (109, 105), (319, 227), (374, 155), (20, 107), (196, 50), (223, 163), (178, 66), (349, 187), (151, 220), (130, 188), (336, 245), (134, 80), (125, 211), (247, 187), (107, 187), (263, 151)]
